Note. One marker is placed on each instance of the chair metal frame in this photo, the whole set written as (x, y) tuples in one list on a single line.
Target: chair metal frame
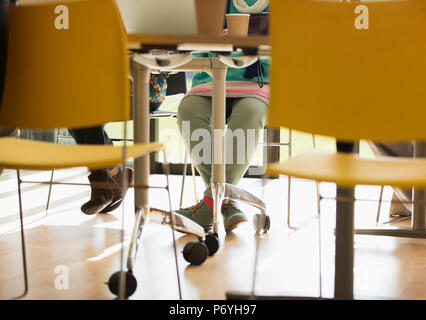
[(289, 144)]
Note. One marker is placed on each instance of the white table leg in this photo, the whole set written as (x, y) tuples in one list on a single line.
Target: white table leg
[(141, 75), (141, 126), (218, 140)]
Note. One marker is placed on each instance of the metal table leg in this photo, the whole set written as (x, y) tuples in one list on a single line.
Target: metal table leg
[(344, 258), (123, 283)]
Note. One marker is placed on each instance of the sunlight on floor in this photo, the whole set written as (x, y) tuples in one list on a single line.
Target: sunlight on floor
[(90, 246)]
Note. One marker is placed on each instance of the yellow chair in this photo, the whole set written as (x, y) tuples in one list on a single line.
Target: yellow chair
[(352, 71), (72, 77)]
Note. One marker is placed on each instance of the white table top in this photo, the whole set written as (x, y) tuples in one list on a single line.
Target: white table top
[(198, 43)]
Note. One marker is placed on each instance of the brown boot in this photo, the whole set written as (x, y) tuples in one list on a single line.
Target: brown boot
[(101, 196), (118, 194)]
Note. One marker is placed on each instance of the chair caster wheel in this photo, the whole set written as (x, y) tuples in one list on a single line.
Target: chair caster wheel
[(261, 222), (267, 224), (195, 252), (212, 242), (130, 283)]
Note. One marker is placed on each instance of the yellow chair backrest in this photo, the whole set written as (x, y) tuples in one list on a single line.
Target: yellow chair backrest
[(349, 70), (67, 65)]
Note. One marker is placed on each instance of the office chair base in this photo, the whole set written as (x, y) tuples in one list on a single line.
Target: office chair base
[(195, 252), (180, 223)]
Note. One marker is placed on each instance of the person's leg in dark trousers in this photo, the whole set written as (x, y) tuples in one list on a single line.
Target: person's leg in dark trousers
[(102, 199), (92, 135), (396, 149), (7, 133)]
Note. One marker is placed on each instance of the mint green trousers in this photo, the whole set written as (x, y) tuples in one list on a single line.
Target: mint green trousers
[(245, 117)]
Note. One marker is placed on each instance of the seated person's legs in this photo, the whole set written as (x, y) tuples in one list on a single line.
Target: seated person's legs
[(102, 199), (248, 114), (242, 114), (396, 149)]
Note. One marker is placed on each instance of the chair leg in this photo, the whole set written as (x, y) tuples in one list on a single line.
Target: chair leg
[(50, 191), (182, 188), (344, 242), (194, 182), (24, 255), (314, 144), (319, 249), (307, 221), (289, 183), (166, 169), (51, 176), (379, 206), (183, 181)]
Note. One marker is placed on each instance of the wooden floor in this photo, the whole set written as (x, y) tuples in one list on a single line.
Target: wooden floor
[(88, 247)]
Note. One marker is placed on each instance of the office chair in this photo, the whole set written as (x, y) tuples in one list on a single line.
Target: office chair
[(58, 78), (338, 68)]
